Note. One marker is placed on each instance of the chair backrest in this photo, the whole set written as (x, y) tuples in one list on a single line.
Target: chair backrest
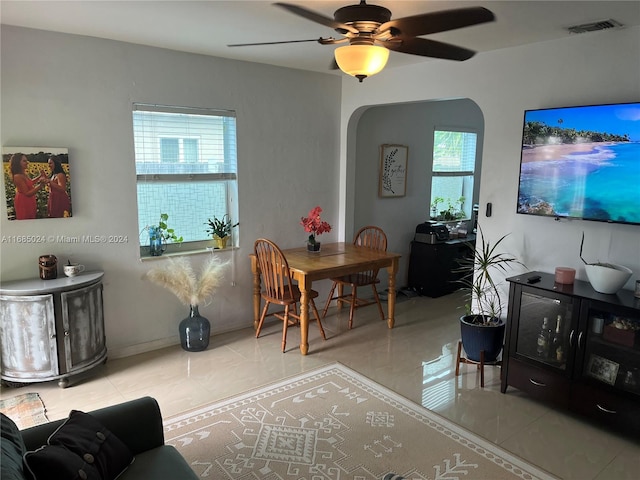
[(274, 269), (371, 237)]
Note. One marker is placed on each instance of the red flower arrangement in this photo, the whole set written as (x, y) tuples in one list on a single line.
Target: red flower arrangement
[(314, 224)]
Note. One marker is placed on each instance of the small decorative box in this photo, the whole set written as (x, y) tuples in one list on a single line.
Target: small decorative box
[(617, 335)]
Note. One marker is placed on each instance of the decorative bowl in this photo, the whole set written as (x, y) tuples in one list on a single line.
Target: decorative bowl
[(607, 278)]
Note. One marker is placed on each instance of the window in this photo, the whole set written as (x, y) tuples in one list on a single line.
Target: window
[(173, 150), (186, 167), (452, 182)]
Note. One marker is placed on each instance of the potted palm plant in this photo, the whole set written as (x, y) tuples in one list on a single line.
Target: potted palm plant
[(482, 327), (220, 229)]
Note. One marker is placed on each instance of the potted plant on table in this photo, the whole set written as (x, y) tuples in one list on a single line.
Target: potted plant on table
[(160, 234), (482, 327), (314, 225), (220, 229), (454, 210)]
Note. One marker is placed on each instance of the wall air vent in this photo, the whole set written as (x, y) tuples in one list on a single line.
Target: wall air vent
[(595, 26)]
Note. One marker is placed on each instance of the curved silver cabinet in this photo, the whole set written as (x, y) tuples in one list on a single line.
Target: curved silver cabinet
[(51, 329)]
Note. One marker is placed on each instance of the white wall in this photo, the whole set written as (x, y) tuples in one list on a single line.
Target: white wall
[(410, 124), (62, 90), (600, 67), (297, 144)]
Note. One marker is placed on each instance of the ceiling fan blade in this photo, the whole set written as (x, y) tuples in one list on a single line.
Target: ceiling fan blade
[(430, 48), (316, 17), (319, 40), (435, 22)]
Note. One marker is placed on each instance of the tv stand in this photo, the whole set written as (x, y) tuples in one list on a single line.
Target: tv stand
[(590, 367)]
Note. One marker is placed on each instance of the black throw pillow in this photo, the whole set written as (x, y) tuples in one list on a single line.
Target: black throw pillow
[(82, 446), (53, 462)]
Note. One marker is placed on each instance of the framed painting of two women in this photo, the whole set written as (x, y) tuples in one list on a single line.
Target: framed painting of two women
[(37, 182)]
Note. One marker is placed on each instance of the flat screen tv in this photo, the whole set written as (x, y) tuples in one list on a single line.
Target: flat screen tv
[(582, 162)]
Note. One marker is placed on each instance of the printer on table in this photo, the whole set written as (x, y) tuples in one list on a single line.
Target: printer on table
[(434, 267), (431, 232)]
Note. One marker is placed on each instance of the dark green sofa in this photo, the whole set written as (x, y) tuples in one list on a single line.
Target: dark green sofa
[(138, 423)]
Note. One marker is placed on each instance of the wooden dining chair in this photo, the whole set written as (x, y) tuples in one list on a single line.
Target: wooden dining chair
[(371, 237), (279, 288)]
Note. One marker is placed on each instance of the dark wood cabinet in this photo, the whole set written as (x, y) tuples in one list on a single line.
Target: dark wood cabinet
[(433, 266), (587, 359)]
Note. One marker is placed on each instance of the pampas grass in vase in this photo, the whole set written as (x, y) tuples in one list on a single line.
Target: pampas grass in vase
[(178, 276)]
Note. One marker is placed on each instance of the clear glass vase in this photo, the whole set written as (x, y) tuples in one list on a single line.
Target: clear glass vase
[(312, 244), (313, 247), (156, 246)]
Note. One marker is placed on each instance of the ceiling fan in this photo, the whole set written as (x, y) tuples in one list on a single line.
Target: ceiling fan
[(370, 34)]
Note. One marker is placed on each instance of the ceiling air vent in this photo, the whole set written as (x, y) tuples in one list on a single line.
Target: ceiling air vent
[(595, 26)]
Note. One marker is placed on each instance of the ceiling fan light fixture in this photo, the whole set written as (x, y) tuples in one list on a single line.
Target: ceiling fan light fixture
[(361, 61)]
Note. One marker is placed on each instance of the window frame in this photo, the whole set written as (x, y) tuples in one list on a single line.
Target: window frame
[(471, 200), (229, 179)]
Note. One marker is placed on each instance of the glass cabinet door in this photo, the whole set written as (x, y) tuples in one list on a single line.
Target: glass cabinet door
[(612, 347), (544, 329)]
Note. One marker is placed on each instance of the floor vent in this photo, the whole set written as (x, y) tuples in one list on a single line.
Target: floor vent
[(595, 26)]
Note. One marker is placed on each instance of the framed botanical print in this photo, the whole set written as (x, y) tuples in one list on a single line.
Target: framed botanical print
[(393, 171)]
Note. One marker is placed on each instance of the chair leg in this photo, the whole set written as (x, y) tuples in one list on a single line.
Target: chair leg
[(262, 317), (317, 315), (285, 322), (482, 368), (377, 297), (326, 305), (354, 299)]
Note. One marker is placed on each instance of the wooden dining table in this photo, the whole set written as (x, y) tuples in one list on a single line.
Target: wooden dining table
[(333, 260)]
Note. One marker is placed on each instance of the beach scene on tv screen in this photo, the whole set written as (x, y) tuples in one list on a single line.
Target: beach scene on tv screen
[(582, 162)]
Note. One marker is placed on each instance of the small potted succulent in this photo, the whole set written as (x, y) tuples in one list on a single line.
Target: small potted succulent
[(220, 229)]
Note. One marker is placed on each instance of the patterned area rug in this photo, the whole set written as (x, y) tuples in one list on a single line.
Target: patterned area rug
[(26, 410), (332, 423)]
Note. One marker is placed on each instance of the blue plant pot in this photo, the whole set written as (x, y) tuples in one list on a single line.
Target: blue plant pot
[(476, 338)]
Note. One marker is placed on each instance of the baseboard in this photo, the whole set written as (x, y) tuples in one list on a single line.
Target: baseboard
[(139, 348), (143, 347)]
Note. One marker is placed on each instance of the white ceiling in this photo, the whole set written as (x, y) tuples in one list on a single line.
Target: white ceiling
[(206, 27)]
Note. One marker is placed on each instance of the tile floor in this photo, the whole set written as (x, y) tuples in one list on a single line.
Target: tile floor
[(415, 359)]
